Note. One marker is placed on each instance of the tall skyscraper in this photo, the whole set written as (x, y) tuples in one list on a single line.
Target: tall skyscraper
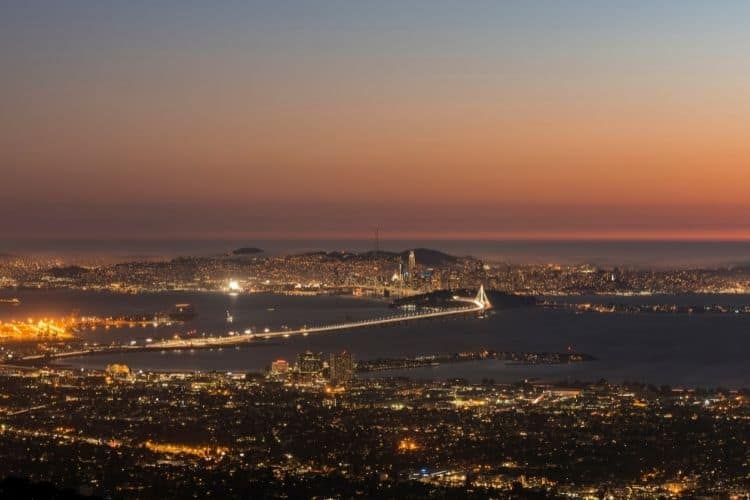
[(412, 262), (309, 363), (341, 367)]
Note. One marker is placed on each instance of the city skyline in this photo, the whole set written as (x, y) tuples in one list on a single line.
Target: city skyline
[(496, 121), (398, 249)]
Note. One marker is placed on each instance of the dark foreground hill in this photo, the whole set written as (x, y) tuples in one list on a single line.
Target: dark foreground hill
[(17, 487)]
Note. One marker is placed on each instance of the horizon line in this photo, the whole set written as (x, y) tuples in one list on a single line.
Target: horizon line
[(717, 237)]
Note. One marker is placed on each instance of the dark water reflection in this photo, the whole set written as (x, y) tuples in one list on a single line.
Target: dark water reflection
[(676, 349)]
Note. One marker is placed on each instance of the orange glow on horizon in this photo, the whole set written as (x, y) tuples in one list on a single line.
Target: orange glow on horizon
[(593, 235), (469, 110)]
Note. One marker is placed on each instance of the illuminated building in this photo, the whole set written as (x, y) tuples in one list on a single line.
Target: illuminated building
[(119, 371), (342, 367), (309, 363), (279, 367), (412, 264)]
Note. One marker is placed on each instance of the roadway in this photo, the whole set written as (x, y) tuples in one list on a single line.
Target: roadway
[(473, 305)]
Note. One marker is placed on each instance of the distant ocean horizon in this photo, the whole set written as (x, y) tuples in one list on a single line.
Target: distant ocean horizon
[(641, 254), (604, 253)]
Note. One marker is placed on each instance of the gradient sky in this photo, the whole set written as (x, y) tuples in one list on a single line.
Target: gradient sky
[(455, 119)]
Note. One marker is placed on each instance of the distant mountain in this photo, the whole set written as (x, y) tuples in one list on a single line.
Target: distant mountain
[(428, 257), (69, 272), (380, 254), (247, 251), (317, 252), (424, 256)]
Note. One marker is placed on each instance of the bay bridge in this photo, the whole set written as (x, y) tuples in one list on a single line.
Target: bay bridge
[(477, 304)]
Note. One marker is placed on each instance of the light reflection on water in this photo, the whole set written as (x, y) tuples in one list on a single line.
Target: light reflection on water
[(705, 350)]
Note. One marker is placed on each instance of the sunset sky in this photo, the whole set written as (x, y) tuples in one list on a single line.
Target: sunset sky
[(435, 119)]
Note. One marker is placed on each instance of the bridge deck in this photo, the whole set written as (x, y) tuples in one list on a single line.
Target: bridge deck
[(473, 305)]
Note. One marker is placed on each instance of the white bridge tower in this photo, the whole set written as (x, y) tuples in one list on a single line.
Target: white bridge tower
[(481, 299)]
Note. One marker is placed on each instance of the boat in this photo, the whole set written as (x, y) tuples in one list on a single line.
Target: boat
[(182, 312)]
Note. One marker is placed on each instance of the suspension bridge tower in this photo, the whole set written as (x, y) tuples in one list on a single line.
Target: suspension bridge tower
[(481, 299)]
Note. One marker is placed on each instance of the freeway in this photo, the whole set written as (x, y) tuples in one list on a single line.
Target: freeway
[(477, 304)]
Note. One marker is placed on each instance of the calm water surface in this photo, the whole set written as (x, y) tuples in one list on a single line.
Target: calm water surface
[(705, 350)]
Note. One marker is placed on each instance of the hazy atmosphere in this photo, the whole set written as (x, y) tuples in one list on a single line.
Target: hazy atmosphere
[(325, 119)]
